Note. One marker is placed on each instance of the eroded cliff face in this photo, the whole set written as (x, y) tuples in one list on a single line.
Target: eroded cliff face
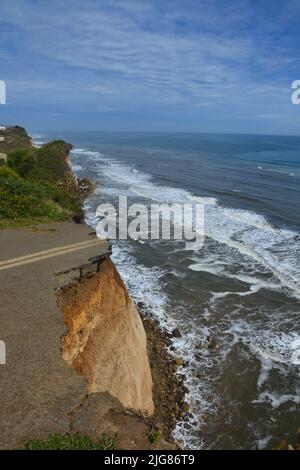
[(105, 340)]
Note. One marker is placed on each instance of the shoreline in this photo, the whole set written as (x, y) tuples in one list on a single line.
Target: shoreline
[(167, 367), (169, 388)]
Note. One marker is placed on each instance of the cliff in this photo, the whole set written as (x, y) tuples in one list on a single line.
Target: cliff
[(14, 138), (89, 363), (105, 340), (43, 390)]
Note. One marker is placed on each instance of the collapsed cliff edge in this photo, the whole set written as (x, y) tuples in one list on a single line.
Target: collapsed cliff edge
[(80, 356), (76, 358), (105, 340)]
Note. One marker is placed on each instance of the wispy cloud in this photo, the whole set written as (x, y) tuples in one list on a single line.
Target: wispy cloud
[(120, 54)]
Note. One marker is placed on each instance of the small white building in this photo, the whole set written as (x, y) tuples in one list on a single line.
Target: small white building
[(2, 128)]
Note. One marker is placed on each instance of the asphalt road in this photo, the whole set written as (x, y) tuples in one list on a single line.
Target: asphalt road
[(38, 389)]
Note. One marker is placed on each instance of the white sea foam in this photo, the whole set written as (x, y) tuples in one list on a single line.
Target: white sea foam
[(217, 270), (245, 231), (276, 400), (262, 443), (37, 136), (272, 346), (76, 167), (39, 143), (249, 240)]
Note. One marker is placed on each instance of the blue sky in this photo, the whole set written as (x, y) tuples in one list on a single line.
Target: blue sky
[(169, 65)]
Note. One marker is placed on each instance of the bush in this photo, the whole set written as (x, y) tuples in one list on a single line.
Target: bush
[(21, 199), (153, 436), (38, 184), (21, 161), (51, 162), (7, 172), (24, 199)]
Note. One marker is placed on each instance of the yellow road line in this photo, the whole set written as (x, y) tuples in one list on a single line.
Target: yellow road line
[(39, 257), (52, 250)]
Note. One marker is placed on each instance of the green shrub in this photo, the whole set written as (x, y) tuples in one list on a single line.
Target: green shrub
[(7, 172), (24, 199), (78, 441), (21, 161), (51, 162), (38, 185), (21, 199), (153, 436)]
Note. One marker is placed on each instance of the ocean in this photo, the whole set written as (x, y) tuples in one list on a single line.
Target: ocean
[(242, 288)]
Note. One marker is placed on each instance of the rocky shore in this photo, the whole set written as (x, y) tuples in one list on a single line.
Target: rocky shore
[(167, 370), (169, 389)]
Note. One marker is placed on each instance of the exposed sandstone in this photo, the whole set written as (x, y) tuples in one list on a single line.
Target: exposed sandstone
[(106, 341)]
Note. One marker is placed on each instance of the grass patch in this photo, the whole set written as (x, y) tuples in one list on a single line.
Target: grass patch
[(153, 436), (78, 441)]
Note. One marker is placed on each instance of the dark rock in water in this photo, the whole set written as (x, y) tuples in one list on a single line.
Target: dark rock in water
[(187, 426), (141, 305), (176, 333), (185, 407), (179, 361), (212, 343)]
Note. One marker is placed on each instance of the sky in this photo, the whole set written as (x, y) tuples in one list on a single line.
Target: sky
[(151, 65)]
